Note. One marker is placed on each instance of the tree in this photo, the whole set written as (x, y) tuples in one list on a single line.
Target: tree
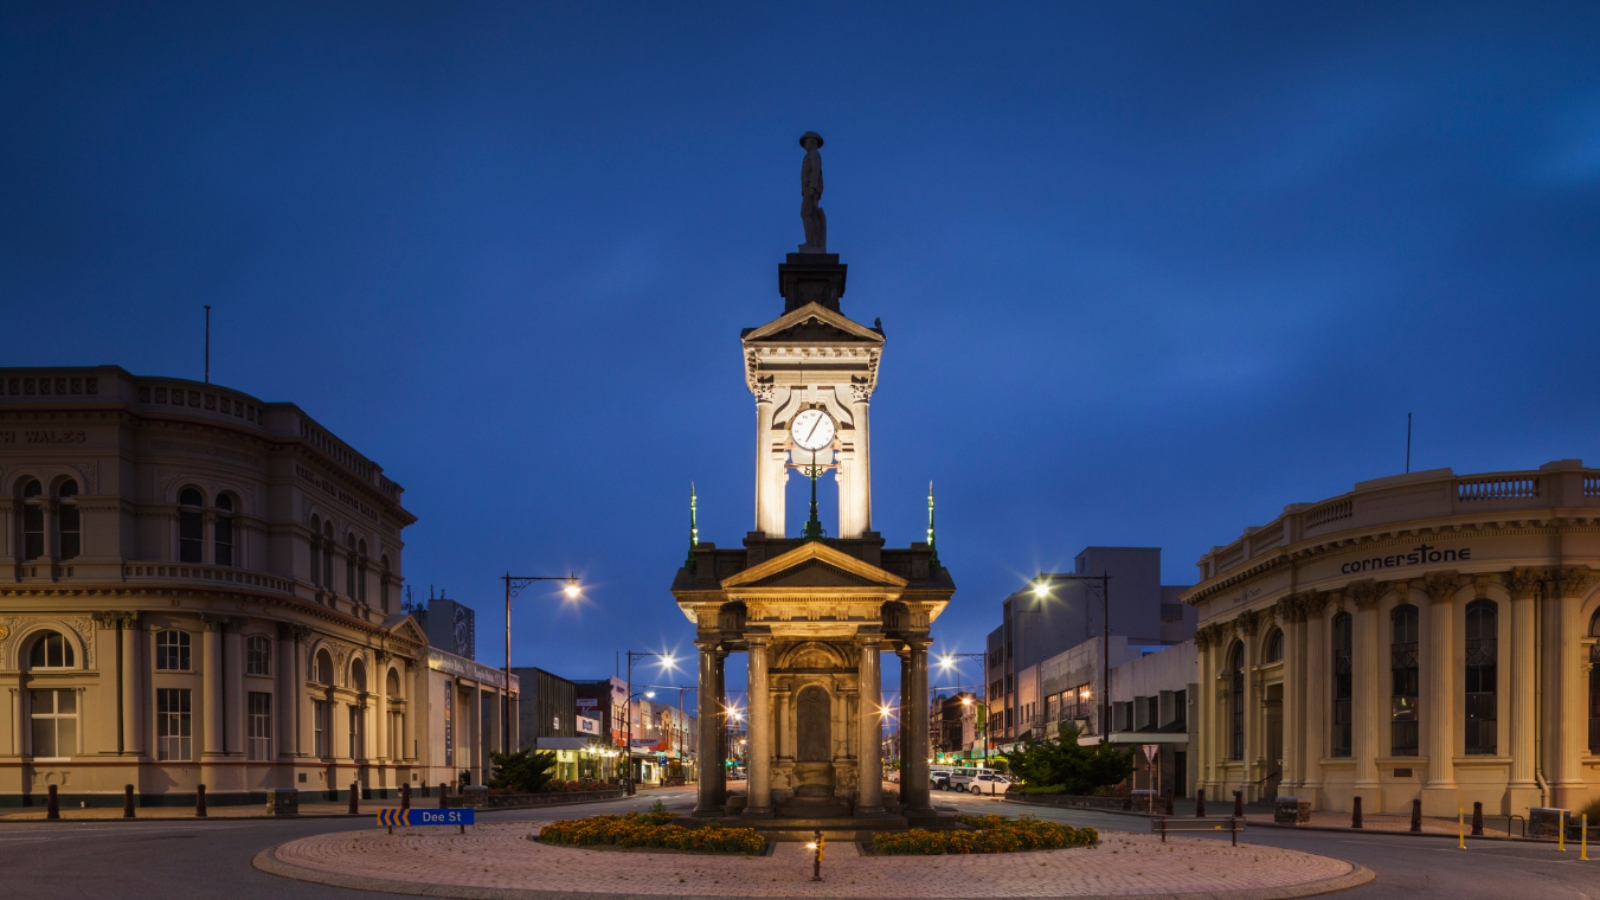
[(1076, 770), (522, 771)]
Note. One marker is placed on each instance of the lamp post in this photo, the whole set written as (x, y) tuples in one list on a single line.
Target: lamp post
[(951, 662), (667, 661), (514, 586), (1041, 591)]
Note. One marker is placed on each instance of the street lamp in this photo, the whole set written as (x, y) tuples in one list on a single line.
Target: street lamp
[(1041, 590), (664, 660), (952, 662), (514, 586)]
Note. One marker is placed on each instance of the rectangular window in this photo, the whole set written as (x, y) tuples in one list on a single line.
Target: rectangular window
[(1404, 727), (32, 531), (174, 735), (358, 733), (320, 729), (223, 530), (191, 536), (55, 723), (260, 711), (257, 656), (397, 733), (1343, 686), (71, 530), (1482, 718)]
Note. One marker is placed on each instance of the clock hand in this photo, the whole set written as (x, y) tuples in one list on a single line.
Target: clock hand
[(814, 428)]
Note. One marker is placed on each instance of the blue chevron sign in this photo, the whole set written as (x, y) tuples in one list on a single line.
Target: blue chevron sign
[(412, 817)]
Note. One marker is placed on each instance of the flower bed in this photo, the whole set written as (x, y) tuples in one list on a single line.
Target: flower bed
[(992, 834), (652, 830)]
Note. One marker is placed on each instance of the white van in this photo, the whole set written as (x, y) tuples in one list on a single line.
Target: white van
[(962, 777)]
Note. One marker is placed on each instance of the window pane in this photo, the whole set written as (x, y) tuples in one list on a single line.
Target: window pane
[(42, 701), (66, 736), (44, 737), (67, 702)]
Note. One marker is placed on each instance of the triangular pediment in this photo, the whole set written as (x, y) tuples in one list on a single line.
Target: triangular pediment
[(403, 626), (812, 565), (813, 324)]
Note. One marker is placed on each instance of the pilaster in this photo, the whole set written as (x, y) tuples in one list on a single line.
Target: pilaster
[(1439, 794), (1523, 790)]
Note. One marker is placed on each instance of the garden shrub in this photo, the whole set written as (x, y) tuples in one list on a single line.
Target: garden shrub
[(992, 834), (651, 830), (1077, 770), (522, 772)]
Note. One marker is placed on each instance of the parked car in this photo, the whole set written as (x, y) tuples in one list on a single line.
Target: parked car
[(939, 777), (894, 777), (961, 777), (990, 785)]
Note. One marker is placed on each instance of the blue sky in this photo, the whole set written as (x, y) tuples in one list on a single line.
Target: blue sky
[(1149, 272)]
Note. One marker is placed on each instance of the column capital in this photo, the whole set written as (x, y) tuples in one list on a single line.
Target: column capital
[(1523, 584), (288, 631), (1573, 581), (1248, 621), (218, 623), (1441, 587), (1364, 594), (115, 619)]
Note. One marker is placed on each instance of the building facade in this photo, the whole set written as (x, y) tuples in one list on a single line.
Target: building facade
[(1425, 636), (463, 703), (196, 587)]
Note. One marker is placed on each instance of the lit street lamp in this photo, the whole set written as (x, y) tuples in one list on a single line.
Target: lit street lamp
[(1041, 591), (952, 662), (664, 660), (514, 586)]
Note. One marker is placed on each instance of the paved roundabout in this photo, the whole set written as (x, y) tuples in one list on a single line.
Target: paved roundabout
[(500, 862)]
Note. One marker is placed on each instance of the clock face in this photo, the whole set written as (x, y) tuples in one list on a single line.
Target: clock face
[(812, 430)]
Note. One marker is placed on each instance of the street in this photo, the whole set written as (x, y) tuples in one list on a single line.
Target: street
[(147, 859)]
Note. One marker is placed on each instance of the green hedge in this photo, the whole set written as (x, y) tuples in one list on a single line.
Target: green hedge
[(651, 830), (991, 834), (1037, 790)]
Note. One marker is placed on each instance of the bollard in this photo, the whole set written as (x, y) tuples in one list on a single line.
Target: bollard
[(1561, 834), (1477, 818), (52, 805), (444, 791), (1200, 803), (127, 801), (1461, 828), (1238, 804), (1169, 801), (816, 859), (355, 797), (1583, 835), (1416, 817), (405, 796), (200, 801), (1355, 814)]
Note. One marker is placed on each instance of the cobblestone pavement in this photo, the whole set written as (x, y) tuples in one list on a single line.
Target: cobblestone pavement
[(501, 856)]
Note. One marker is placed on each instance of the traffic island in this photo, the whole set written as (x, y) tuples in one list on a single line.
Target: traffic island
[(499, 862)]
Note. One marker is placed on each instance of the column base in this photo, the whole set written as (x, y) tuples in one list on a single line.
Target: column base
[(870, 812), (757, 812), (1443, 801), (1571, 795), (707, 812), (1521, 798)]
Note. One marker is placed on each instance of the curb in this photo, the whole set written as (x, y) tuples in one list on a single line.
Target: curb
[(267, 861), (299, 817)]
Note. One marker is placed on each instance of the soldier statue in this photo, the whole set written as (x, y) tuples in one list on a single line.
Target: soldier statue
[(811, 214)]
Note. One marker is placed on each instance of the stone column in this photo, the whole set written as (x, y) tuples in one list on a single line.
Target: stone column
[(133, 717), (782, 715), (289, 685), (855, 505), (719, 748), (1524, 678), (758, 803), (869, 699), (709, 797), (1366, 739), (914, 797), (211, 687), (1293, 685), (1249, 623), (1319, 687), (1205, 703), (1572, 728), (770, 474), (233, 695), (380, 737), (1438, 707)]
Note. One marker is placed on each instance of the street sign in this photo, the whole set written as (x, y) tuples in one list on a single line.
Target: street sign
[(417, 817), (1150, 751)]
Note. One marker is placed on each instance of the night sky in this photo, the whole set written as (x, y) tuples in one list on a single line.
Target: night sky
[(1147, 274)]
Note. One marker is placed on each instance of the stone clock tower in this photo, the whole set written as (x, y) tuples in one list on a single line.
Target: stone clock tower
[(814, 614)]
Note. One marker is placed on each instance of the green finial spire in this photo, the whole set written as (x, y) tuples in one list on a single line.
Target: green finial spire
[(933, 555), (694, 524)]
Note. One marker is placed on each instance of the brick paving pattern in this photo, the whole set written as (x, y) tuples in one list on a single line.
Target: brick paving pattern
[(501, 856)]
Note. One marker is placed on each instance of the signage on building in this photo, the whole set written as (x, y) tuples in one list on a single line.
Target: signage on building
[(466, 668), (644, 742), (587, 703), (1420, 556), (587, 725)]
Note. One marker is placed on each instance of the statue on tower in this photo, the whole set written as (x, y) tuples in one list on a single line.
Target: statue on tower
[(811, 214)]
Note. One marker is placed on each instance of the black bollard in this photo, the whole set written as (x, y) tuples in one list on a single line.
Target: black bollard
[(1355, 814), (1416, 817), (444, 791), (53, 805), (1238, 804), (1200, 803), (1477, 819), (1169, 801), (127, 802), (355, 797), (405, 796), (200, 801)]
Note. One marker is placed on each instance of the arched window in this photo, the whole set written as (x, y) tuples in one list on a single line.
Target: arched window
[(327, 555), (391, 685), (323, 673), (1236, 701), (350, 566), (1404, 680), (1342, 685), (172, 651), (1482, 657), (32, 520), (383, 582), (1275, 646), (358, 675), (316, 550), (69, 524), (191, 526), (51, 651), (361, 572), (257, 655), (222, 532)]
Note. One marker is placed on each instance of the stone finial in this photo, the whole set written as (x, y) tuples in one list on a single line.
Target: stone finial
[(1441, 587)]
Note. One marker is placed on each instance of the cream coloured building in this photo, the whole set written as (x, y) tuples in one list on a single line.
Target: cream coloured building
[(200, 588), (1425, 636)]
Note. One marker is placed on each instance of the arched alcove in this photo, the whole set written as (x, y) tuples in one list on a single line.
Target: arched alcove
[(813, 725)]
